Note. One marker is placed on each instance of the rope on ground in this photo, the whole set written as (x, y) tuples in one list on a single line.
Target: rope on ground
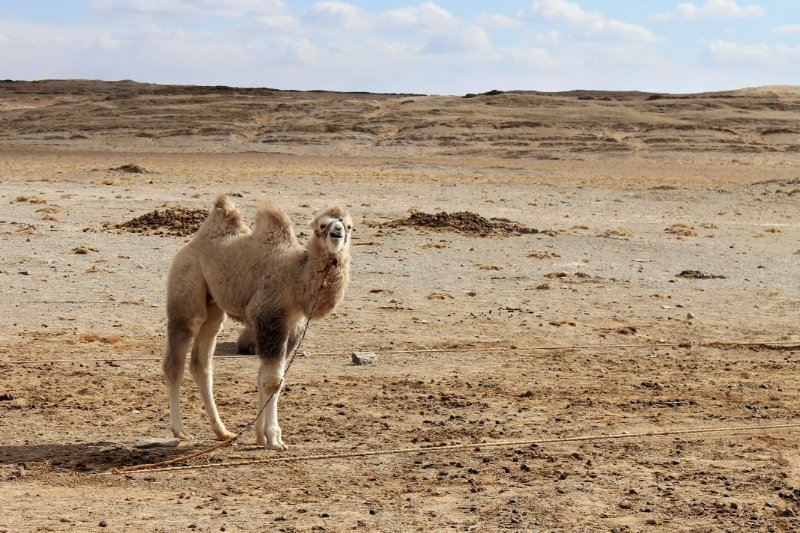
[(164, 466), (777, 345)]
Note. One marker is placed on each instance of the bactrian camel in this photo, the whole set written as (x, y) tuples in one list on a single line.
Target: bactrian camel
[(262, 277)]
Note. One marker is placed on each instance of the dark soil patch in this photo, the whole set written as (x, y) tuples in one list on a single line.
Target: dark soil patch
[(174, 221), (464, 222)]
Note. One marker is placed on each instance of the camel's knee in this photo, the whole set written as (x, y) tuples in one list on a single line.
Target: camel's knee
[(200, 369), (270, 376), (172, 367), (270, 384)]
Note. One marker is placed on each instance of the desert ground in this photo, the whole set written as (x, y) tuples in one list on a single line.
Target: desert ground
[(584, 308)]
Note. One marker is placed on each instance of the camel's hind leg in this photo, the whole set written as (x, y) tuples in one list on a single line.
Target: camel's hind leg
[(201, 366), (179, 337)]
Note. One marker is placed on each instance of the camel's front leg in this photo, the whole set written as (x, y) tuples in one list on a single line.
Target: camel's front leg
[(270, 375), (271, 336)]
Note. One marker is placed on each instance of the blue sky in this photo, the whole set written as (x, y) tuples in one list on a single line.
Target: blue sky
[(434, 47)]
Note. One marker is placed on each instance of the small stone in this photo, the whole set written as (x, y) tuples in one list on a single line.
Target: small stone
[(364, 358), (690, 316), (171, 442), (103, 523)]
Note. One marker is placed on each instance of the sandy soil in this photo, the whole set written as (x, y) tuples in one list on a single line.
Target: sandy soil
[(644, 307)]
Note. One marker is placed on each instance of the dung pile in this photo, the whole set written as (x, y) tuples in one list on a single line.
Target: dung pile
[(464, 222), (175, 221)]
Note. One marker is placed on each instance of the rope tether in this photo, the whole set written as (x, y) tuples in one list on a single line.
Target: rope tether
[(164, 466)]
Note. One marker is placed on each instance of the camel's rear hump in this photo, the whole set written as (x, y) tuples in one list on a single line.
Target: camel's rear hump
[(225, 220)]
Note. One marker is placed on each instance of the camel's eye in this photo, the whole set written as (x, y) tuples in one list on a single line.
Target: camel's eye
[(322, 226), (349, 227)]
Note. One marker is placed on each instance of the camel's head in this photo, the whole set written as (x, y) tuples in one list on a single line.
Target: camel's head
[(333, 226)]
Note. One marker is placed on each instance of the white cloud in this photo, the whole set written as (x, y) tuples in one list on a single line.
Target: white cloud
[(188, 8), (787, 29), (551, 37), (471, 39), (591, 24), (285, 23), (393, 48), (712, 9), (757, 54), (425, 17), (489, 20), (335, 16), (287, 49), (536, 57)]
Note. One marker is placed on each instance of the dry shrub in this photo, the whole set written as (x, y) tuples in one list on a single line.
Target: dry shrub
[(682, 230), (438, 295), (30, 199), (618, 232), (543, 254), (487, 266), (82, 250), (98, 337), (431, 244)]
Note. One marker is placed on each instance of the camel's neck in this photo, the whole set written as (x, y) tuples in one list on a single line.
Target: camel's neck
[(325, 280)]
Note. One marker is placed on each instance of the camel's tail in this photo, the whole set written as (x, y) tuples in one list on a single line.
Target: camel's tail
[(223, 221)]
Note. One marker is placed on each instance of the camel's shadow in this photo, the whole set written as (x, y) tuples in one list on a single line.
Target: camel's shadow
[(90, 457)]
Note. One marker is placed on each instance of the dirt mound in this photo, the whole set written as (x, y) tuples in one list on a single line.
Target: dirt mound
[(464, 222), (176, 221)]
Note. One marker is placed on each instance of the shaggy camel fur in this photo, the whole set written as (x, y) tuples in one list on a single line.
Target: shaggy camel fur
[(263, 278)]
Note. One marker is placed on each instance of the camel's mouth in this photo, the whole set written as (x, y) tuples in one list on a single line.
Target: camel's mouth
[(335, 231)]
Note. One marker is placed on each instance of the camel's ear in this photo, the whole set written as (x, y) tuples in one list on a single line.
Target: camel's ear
[(314, 225)]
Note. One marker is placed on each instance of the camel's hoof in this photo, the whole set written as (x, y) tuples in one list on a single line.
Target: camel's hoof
[(225, 435), (278, 445), (182, 435)]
